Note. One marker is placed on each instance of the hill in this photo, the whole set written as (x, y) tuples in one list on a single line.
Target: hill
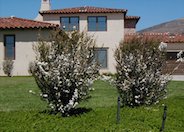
[(174, 26)]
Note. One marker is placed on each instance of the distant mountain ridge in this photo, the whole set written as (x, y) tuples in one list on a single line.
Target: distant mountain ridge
[(174, 26)]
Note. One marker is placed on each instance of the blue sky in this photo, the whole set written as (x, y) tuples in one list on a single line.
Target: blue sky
[(152, 12)]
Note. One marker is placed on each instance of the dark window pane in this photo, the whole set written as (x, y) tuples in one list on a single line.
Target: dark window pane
[(9, 53), (173, 55), (9, 47), (9, 39), (65, 23), (92, 23), (73, 26), (102, 25), (92, 19), (101, 57), (69, 23), (74, 23), (101, 19), (97, 23), (65, 19), (91, 26), (74, 19)]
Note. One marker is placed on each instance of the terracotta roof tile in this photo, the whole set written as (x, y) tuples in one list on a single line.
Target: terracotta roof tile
[(165, 37), (131, 21), (20, 23), (132, 17), (85, 9)]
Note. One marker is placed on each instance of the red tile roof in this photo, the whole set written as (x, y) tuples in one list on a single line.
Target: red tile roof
[(164, 37), (85, 9), (131, 21), (132, 17), (20, 23)]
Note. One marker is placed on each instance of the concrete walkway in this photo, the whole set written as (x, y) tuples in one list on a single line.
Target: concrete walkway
[(178, 77)]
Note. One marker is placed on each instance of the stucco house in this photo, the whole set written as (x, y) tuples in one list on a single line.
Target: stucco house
[(175, 44), (107, 25), (17, 37)]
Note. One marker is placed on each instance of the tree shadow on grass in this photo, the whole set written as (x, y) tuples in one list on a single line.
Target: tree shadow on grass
[(72, 112), (79, 111)]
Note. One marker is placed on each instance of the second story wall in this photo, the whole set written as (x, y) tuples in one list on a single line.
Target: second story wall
[(115, 26), (108, 39)]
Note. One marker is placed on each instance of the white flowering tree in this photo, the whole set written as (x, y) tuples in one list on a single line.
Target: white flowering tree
[(180, 57), (139, 71), (64, 69), (180, 60)]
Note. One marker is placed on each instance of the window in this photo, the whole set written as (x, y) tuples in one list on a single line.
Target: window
[(172, 55), (70, 23), (9, 43), (98, 23), (101, 57)]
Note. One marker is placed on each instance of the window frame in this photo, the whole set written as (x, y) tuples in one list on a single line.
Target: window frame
[(97, 30), (106, 57), (70, 22), (14, 47)]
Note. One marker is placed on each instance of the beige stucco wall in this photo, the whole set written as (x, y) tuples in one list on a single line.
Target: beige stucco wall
[(107, 39), (26, 38), (24, 53)]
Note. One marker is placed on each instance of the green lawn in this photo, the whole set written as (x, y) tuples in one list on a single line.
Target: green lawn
[(23, 111)]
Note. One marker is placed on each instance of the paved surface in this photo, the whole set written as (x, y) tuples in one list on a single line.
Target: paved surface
[(178, 77)]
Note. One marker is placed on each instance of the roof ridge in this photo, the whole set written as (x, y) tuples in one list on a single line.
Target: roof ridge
[(84, 9), (165, 37), (131, 16), (88, 7)]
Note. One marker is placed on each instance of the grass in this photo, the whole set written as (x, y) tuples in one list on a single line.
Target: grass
[(23, 111)]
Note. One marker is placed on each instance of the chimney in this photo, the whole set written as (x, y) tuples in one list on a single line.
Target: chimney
[(45, 5)]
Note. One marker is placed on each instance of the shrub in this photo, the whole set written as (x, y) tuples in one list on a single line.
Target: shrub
[(139, 71), (64, 69), (180, 57), (8, 67)]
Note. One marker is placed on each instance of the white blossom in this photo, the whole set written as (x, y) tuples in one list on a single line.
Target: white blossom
[(45, 95), (179, 54), (32, 92), (180, 58), (162, 46)]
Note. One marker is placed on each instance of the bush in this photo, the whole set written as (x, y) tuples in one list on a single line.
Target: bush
[(139, 71), (8, 67), (64, 69), (180, 57)]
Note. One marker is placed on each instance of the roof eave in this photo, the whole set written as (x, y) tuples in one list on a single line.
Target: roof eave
[(13, 28)]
